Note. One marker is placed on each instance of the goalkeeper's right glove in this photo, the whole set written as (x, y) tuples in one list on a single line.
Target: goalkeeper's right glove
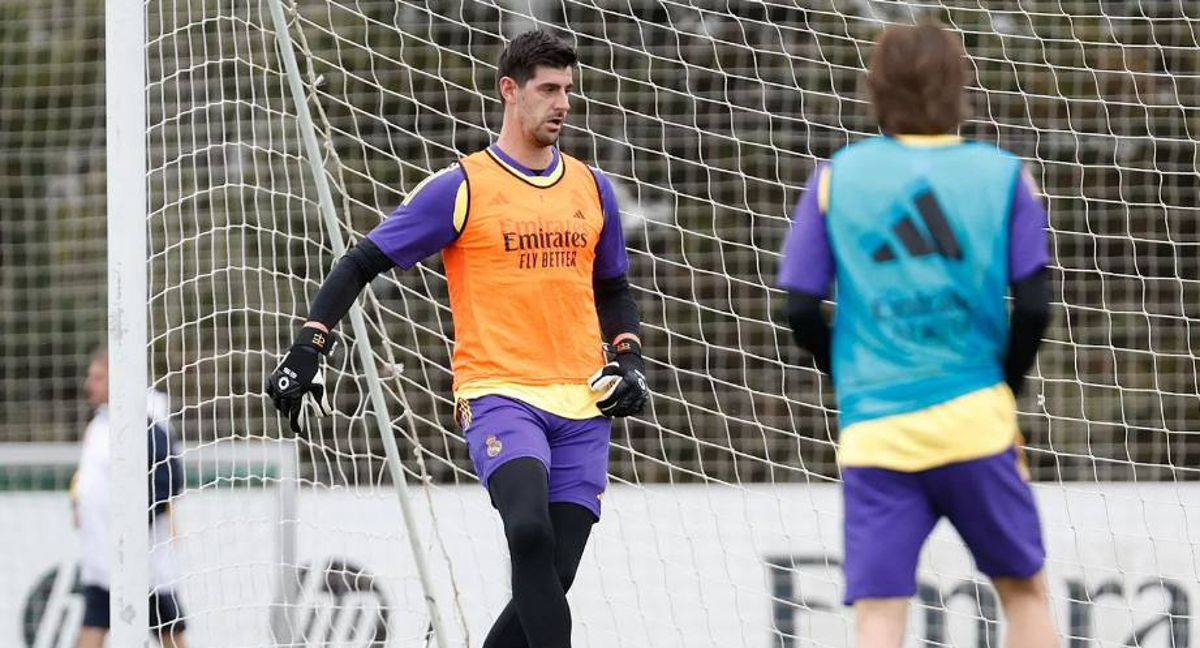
[(298, 383), (622, 382)]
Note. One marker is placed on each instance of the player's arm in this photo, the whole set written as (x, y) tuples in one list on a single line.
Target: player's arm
[(1029, 278), (428, 220), (806, 271), (623, 380), (345, 282)]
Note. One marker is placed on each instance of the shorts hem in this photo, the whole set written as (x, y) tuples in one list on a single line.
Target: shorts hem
[(1015, 573), (849, 599), (166, 612), (95, 607)]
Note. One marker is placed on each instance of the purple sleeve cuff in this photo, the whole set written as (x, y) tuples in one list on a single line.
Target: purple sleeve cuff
[(1028, 240), (612, 259), (424, 223), (807, 263)]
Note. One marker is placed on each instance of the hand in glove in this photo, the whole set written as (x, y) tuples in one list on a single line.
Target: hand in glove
[(622, 381), (298, 384)]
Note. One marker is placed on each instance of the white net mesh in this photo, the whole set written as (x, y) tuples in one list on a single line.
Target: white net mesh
[(51, 214), (707, 116), (51, 259)]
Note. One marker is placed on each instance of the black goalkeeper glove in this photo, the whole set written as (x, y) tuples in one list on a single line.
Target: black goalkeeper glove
[(622, 381), (298, 384)]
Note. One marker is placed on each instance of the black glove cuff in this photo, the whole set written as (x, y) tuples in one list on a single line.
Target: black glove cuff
[(628, 354), (314, 338)]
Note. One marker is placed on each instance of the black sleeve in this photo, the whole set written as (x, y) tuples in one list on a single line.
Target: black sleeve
[(809, 328), (615, 307), (347, 279), (1030, 315)]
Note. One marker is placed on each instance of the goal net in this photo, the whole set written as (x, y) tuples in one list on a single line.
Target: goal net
[(722, 520)]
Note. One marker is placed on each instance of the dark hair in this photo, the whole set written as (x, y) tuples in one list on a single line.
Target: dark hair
[(526, 52), (916, 80)]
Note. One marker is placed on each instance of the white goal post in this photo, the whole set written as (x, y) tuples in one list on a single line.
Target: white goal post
[(125, 111), (251, 142)]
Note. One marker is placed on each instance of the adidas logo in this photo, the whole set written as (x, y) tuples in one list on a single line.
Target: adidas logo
[(579, 214), (914, 242)]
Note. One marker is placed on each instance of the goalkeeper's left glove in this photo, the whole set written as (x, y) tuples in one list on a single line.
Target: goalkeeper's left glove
[(298, 384), (622, 381)]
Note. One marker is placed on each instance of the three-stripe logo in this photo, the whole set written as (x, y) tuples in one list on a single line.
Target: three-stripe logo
[(914, 241)]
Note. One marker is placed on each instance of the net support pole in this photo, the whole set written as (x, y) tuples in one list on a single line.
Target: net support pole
[(312, 151), (285, 539), (125, 116)]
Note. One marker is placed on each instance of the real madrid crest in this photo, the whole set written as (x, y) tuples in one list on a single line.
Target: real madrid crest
[(493, 445)]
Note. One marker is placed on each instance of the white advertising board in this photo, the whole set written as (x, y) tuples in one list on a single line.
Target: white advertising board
[(685, 566)]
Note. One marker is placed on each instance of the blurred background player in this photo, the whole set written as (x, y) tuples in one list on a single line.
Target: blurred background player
[(535, 261), (924, 234), (90, 504)]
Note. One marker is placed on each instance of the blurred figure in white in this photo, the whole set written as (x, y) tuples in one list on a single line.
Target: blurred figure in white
[(90, 505)]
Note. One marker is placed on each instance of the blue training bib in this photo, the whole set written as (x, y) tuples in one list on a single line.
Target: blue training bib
[(920, 238)]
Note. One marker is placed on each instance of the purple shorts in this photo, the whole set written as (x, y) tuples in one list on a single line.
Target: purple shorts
[(574, 451), (889, 514)]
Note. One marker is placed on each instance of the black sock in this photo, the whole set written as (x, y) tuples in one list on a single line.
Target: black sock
[(546, 543)]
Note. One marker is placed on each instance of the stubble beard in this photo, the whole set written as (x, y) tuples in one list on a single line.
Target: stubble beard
[(546, 138)]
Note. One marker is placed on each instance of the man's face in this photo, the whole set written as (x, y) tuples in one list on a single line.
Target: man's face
[(542, 103), (96, 383)]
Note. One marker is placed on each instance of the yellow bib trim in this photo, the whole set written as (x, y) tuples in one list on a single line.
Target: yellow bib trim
[(542, 182), (971, 426), (568, 401)]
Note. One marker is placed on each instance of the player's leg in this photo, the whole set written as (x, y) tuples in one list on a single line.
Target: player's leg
[(519, 493), (90, 637), (880, 622), (508, 444), (887, 518), (1026, 603), (993, 509), (572, 526), (172, 640), (95, 617), (578, 473)]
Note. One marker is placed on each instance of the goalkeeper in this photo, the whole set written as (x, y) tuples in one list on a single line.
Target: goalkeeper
[(924, 234), (535, 261)]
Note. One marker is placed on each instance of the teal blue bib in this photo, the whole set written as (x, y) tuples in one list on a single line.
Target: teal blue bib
[(920, 239)]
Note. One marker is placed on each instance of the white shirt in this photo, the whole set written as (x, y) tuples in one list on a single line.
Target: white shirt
[(91, 490)]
